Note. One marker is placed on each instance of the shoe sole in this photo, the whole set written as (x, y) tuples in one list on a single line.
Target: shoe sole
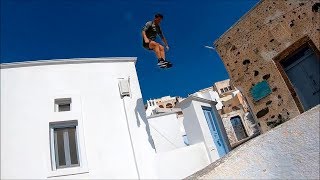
[(166, 66), (163, 63)]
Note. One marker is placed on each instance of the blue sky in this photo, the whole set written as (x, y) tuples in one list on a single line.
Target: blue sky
[(46, 29)]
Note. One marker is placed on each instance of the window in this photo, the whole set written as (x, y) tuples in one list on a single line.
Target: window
[(64, 144), (235, 108), (225, 89), (169, 105), (63, 104), (222, 91), (230, 88)]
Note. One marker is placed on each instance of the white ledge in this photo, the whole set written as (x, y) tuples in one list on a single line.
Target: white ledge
[(195, 98), (160, 114), (67, 61)]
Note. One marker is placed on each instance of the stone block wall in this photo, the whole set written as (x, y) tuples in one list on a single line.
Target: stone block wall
[(251, 48)]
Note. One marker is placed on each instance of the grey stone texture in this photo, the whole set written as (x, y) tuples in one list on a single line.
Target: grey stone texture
[(288, 151)]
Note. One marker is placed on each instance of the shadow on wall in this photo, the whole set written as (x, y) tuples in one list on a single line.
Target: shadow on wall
[(140, 114)]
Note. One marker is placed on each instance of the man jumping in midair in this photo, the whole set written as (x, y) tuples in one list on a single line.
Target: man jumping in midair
[(149, 34)]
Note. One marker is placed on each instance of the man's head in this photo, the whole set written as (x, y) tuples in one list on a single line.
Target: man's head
[(157, 18)]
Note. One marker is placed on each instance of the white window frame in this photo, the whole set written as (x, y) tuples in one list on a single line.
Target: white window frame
[(82, 161), (75, 113), (53, 145)]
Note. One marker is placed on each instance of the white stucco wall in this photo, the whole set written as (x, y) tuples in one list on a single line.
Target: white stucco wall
[(166, 131), (27, 107), (211, 95), (180, 163), (196, 126), (191, 125)]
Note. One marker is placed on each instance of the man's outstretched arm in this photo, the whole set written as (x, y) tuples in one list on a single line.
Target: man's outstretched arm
[(145, 38), (164, 40)]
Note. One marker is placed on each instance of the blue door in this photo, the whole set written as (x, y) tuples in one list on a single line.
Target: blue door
[(215, 131), (303, 72), (238, 128)]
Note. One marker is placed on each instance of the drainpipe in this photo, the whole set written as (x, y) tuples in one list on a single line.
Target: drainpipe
[(123, 94)]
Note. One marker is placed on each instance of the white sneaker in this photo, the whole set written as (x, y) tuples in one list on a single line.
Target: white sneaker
[(162, 63)]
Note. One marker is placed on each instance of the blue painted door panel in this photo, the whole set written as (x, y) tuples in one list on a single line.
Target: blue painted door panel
[(303, 73), (215, 131), (238, 128)]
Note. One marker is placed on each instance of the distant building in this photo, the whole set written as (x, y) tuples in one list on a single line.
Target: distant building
[(193, 121), (233, 110), (272, 56), (162, 105), (235, 113)]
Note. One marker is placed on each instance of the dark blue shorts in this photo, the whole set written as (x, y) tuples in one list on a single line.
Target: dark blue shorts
[(145, 45)]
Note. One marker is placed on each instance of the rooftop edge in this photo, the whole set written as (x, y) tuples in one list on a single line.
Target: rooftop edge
[(66, 61)]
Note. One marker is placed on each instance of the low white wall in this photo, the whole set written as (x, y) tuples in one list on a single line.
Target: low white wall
[(182, 162), (166, 132)]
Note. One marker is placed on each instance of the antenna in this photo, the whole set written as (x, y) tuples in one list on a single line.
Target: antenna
[(209, 47)]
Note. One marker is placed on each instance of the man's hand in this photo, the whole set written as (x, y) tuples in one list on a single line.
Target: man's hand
[(167, 47)]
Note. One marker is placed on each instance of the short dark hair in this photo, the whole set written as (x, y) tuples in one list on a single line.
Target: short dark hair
[(158, 15)]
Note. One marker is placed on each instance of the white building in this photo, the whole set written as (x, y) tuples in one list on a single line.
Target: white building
[(188, 123), (85, 119), (162, 105), (68, 119), (203, 124), (181, 126)]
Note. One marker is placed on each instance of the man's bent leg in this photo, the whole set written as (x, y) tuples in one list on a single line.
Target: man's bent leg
[(162, 52), (155, 47)]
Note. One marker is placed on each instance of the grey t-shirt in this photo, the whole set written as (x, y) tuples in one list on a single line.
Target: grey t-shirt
[(152, 30)]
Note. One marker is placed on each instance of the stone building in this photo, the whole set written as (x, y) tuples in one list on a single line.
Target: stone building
[(235, 114), (272, 57)]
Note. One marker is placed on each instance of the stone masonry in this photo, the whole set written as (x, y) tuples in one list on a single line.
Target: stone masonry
[(252, 48)]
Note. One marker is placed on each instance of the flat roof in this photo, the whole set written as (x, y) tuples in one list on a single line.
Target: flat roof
[(67, 61)]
